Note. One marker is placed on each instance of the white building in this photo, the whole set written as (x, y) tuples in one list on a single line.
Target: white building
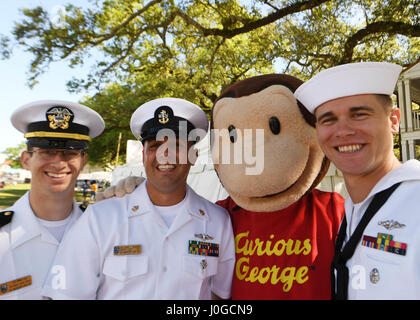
[(408, 88)]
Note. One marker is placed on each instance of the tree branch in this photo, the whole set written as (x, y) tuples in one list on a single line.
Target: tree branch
[(389, 27), (114, 31), (230, 33)]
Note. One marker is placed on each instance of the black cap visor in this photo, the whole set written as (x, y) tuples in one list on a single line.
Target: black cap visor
[(57, 143), (179, 126)]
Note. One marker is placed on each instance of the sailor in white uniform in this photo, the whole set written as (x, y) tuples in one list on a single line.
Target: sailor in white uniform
[(386, 262), (377, 252), (163, 241), (58, 134)]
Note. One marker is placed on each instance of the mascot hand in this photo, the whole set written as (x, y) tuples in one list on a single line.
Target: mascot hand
[(123, 187)]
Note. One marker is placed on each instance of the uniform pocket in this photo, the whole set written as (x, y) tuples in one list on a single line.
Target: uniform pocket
[(200, 266), (125, 267), (384, 257)]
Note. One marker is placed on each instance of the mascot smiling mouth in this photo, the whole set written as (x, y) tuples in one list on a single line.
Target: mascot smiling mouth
[(313, 173)]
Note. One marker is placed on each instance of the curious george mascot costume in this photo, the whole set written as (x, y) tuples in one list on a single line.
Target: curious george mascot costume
[(284, 228)]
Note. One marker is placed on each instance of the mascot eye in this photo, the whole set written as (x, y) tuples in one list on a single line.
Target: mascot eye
[(274, 125), (232, 134)]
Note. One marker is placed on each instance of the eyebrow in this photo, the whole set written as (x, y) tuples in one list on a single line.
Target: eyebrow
[(324, 115), (352, 109), (361, 108)]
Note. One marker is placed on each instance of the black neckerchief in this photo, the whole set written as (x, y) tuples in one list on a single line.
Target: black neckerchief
[(341, 257)]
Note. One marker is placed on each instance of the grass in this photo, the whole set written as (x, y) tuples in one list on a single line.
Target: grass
[(11, 193)]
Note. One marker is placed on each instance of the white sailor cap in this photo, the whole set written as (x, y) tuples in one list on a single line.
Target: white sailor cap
[(348, 80), (175, 114), (57, 124)]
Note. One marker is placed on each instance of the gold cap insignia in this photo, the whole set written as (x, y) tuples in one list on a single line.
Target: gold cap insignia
[(59, 117), (163, 117)]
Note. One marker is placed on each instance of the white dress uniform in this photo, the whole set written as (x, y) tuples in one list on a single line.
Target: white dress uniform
[(121, 248), (385, 264), (27, 250)]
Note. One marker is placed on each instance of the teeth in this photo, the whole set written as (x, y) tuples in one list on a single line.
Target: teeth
[(56, 175), (350, 148), (165, 167)]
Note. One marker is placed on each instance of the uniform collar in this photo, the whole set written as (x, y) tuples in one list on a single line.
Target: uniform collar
[(408, 171), (194, 206), (25, 226), (140, 203)]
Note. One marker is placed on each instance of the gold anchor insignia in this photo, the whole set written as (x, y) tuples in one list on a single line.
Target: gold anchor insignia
[(163, 117), (59, 118)]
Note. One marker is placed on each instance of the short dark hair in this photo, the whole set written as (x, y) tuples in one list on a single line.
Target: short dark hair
[(385, 100)]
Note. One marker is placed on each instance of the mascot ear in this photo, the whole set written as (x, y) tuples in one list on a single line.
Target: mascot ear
[(192, 155), (324, 169)]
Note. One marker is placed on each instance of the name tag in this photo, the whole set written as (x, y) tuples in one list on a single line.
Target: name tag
[(127, 250), (15, 284)]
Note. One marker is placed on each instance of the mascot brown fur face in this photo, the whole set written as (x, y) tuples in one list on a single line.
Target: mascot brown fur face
[(293, 162)]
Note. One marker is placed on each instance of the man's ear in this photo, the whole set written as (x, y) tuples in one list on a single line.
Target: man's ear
[(143, 151), (24, 159), (192, 155), (84, 160), (395, 118)]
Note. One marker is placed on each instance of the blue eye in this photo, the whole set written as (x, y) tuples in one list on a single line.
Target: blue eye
[(360, 114)]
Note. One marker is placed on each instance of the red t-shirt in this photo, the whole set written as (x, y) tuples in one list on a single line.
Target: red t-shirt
[(286, 254)]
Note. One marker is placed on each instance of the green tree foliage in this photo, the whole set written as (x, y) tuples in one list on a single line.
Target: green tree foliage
[(14, 154), (193, 49)]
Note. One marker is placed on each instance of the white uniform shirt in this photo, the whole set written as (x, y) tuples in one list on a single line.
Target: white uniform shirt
[(27, 249), (375, 272), (163, 270)]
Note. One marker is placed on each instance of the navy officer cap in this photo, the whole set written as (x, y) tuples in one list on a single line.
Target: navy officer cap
[(57, 124), (167, 113)]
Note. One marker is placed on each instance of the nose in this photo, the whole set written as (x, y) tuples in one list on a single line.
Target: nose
[(344, 129)]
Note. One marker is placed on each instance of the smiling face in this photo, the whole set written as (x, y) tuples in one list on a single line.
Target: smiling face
[(356, 134), (55, 175), (167, 165), (292, 158)]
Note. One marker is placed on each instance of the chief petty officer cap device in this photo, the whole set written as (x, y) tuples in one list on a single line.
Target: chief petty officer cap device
[(57, 124), (348, 80), (167, 113)]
